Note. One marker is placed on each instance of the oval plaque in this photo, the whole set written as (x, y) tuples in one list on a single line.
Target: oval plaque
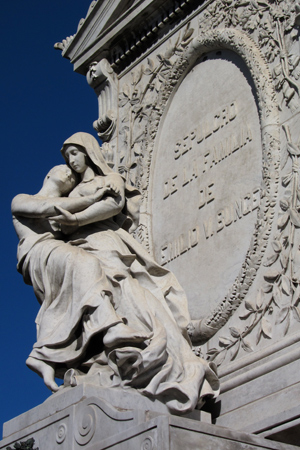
[(206, 179)]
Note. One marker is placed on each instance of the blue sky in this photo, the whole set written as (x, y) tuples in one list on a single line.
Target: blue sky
[(43, 103)]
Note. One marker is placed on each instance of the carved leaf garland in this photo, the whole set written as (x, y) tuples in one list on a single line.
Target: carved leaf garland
[(281, 290)]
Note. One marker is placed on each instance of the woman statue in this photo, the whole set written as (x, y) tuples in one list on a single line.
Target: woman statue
[(146, 346), (68, 281)]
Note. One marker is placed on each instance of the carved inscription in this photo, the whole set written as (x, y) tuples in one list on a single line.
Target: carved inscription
[(207, 156), (206, 128), (214, 224), (180, 245), (206, 182), (231, 213)]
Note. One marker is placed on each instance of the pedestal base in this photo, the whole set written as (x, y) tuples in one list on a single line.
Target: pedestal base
[(92, 418)]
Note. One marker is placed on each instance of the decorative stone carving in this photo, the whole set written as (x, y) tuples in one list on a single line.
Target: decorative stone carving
[(63, 46), (65, 43), (61, 433), (272, 24), (280, 292), (109, 314), (103, 80), (274, 29), (85, 425), (147, 444), (24, 445), (132, 427), (147, 115), (138, 104), (199, 110)]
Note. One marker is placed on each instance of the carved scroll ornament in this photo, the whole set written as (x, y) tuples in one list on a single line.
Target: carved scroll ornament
[(103, 80)]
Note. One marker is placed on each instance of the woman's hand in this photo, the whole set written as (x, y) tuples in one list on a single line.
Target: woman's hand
[(68, 221), (112, 188), (64, 217), (100, 192)]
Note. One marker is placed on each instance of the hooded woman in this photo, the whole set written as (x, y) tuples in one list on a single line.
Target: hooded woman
[(145, 295)]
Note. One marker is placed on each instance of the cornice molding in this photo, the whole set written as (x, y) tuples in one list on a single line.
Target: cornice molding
[(122, 38)]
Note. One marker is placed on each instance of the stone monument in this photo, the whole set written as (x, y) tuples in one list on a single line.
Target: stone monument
[(199, 107)]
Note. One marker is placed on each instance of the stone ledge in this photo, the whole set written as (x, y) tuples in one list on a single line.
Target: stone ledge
[(122, 399), (74, 419)]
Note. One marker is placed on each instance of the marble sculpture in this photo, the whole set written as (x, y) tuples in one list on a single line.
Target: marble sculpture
[(109, 313)]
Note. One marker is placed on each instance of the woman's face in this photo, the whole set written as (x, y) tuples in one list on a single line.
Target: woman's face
[(76, 158)]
